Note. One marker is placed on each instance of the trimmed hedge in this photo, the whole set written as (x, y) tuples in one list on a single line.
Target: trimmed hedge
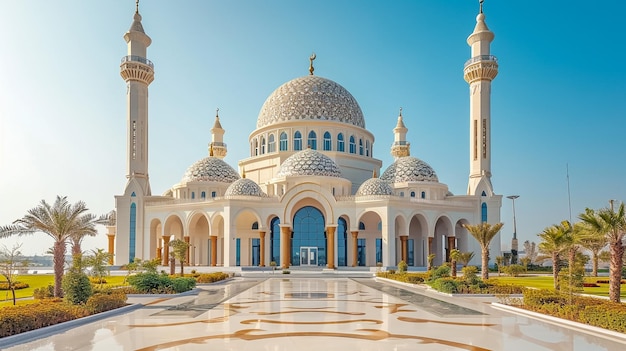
[(17, 285), (19, 319), (211, 277)]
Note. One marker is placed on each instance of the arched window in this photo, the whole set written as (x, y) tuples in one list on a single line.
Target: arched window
[(193, 195), (342, 242), (203, 195), (256, 147), (361, 226), (327, 142), (309, 231), (352, 145), (255, 226), (271, 145), (412, 193), (297, 141), (213, 194), (312, 140), (275, 241), (367, 148), (483, 212), (132, 232), (283, 141), (262, 145), (361, 147), (340, 144), (423, 194)]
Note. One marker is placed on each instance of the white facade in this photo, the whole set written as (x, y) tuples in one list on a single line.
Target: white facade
[(309, 192)]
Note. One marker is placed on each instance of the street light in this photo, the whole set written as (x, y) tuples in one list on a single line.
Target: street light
[(514, 245)]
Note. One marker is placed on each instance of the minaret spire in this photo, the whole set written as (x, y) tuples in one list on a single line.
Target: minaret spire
[(217, 147), (479, 71), (400, 147)]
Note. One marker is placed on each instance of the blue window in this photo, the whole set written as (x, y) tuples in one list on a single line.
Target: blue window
[(297, 141), (328, 142), (412, 193), (483, 212), (203, 194), (423, 195), (352, 145), (262, 145), (132, 233), (255, 226), (367, 147), (238, 252), (410, 257), (361, 248), (283, 141), (342, 238), (379, 250), (256, 251), (275, 240), (483, 193), (312, 140), (308, 230), (271, 146), (361, 147), (213, 194), (340, 144), (193, 195), (256, 147), (361, 226)]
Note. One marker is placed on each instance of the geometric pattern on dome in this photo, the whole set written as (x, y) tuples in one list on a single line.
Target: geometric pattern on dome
[(244, 187), (308, 162), (374, 186), (210, 169), (310, 98), (409, 169)]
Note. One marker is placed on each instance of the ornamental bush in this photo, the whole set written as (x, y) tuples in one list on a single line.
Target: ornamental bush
[(105, 302), (43, 292), (16, 285), (182, 284), (150, 283), (402, 267), (212, 277), (446, 285), (19, 319), (76, 287)]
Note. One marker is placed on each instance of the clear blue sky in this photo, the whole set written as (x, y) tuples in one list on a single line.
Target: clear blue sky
[(560, 96)]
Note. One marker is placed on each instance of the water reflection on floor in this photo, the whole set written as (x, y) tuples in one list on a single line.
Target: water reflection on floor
[(317, 314)]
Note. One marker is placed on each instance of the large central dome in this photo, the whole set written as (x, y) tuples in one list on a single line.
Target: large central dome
[(310, 98)]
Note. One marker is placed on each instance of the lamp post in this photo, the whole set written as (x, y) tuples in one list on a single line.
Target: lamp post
[(514, 244)]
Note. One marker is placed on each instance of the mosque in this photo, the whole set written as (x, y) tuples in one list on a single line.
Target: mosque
[(311, 193)]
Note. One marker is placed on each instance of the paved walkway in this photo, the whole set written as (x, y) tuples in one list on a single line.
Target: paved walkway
[(317, 312)]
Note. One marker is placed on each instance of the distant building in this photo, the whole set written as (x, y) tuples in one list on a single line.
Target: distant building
[(309, 193)]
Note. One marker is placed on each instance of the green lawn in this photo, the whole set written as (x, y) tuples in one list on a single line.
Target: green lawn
[(546, 282)]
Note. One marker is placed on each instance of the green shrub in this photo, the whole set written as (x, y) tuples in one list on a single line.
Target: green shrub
[(19, 319), (514, 270), (611, 316), (442, 271), (150, 283), (182, 284), (105, 302), (76, 287), (212, 277), (43, 292), (286, 271), (97, 280), (447, 285), (402, 267)]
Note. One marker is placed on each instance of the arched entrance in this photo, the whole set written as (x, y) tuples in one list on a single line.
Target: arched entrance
[(308, 243)]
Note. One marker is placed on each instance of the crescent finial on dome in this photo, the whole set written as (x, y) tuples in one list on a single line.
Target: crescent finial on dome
[(311, 58), (481, 5), (137, 6)]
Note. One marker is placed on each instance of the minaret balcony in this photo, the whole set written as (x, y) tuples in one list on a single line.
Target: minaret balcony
[(137, 68), (135, 58), (483, 67)]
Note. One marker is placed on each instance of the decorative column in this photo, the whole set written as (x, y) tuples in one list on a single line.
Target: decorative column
[(330, 244), (158, 253), (430, 245), (262, 249), (186, 238), (213, 250), (166, 251), (403, 240), (111, 247), (355, 248), (285, 247)]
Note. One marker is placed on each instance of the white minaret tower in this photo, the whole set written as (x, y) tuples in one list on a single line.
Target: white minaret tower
[(479, 71), (138, 72), (217, 147), (400, 147)]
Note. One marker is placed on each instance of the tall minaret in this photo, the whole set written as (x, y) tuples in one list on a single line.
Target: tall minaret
[(217, 148), (400, 147), (479, 71), (138, 72)]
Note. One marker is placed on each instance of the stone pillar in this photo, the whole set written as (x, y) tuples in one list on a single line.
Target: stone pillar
[(403, 248), (355, 248), (112, 248), (187, 257), (166, 250), (285, 246), (213, 250), (262, 249), (330, 244), (158, 253)]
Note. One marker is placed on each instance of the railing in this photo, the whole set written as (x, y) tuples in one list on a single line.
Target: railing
[(217, 143), (481, 58), (401, 142), (135, 58)]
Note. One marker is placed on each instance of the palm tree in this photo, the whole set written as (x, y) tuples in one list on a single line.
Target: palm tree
[(454, 256), (613, 224), (484, 233), (60, 221), (465, 258), (554, 243), (594, 241)]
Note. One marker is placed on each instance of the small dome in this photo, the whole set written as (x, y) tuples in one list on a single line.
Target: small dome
[(374, 186), (210, 169), (308, 162), (409, 169), (310, 98), (244, 187)]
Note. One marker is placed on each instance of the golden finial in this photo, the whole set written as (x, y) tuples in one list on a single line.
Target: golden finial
[(311, 69), (137, 6), (211, 149), (374, 175), (400, 111), (217, 112), (243, 173), (481, 5)]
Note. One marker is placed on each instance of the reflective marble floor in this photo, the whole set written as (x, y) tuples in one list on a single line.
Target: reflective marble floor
[(292, 313)]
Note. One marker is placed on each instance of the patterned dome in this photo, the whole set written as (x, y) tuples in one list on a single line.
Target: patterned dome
[(310, 98), (409, 169), (245, 187), (210, 169), (308, 162), (374, 186)]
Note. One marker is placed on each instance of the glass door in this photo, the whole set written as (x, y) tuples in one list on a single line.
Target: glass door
[(308, 256)]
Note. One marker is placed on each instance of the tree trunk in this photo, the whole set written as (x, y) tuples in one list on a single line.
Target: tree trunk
[(594, 263), (615, 270), (13, 292), (182, 268), (453, 267), (485, 263), (555, 270), (76, 249), (58, 261)]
